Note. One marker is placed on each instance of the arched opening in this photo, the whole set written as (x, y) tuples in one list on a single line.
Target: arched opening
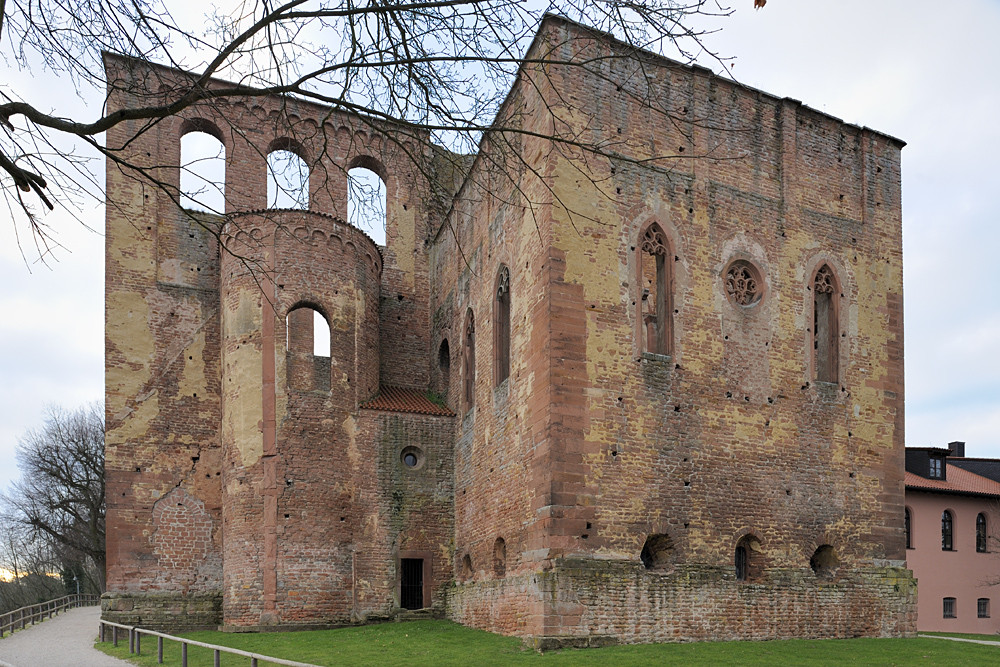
[(655, 268), (469, 361), (826, 330), (947, 526), (287, 177), (444, 365), (500, 557), (824, 562), (202, 168), (308, 349), (747, 559), (981, 545), (501, 327), (466, 572), (366, 199), (657, 552)]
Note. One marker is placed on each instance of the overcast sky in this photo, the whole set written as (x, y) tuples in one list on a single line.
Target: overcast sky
[(927, 73)]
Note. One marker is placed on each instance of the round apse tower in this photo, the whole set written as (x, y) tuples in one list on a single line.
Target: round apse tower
[(289, 471)]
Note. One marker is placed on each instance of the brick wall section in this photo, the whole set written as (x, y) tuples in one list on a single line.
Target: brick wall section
[(590, 446), (184, 408), (730, 436)]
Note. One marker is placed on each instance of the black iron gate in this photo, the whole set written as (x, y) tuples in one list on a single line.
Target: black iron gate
[(411, 583)]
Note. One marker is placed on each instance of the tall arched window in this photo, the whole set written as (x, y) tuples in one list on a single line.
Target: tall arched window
[(203, 167), (469, 360), (981, 533), (907, 527), (655, 307), (826, 335), (287, 176), (366, 199), (946, 531), (501, 326)]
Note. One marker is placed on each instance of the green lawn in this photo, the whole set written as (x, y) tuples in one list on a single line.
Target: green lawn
[(446, 643)]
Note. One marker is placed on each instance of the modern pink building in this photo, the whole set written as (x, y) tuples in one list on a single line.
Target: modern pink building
[(952, 524)]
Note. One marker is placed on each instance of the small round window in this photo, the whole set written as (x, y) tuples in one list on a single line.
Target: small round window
[(744, 286), (412, 457)]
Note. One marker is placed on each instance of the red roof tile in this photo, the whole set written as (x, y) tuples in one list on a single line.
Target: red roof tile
[(959, 481), (397, 399)]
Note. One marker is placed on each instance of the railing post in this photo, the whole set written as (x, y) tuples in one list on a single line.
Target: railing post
[(253, 662), (138, 648), (114, 635), (100, 631), (217, 658), (131, 640), (159, 650), (184, 654)]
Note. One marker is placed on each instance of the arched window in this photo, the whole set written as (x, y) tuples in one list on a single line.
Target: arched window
[(469, 360), (655, 280), (907, 527), (946, 531), (308, 346), (287, 177), (501, 326), (500, 557), (366, 199), (742, 562), (826, 335), (981, 533), (202, 168)]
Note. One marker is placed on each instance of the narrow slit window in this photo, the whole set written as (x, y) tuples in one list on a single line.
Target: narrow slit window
[(826, 336), (501, 323), (981, 533), (469, 360), (655, 297)]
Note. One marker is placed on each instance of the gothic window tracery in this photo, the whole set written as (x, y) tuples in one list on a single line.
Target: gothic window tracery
[(501, 324), (656, 298), (826, 339), (743, 283)]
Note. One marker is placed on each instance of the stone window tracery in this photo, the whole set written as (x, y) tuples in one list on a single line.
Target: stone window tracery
[(826, 337), (743, 284), (501, 324), (656, 297)]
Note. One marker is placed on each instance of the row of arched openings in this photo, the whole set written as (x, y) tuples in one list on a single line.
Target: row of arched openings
[(656, 309), (948, 531), (499, 561), (203, 178), (658, 554)]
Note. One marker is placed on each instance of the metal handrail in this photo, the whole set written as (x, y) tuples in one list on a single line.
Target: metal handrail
[(18, 619), (134, 646)]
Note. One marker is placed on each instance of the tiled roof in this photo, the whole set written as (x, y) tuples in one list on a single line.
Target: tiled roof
[(959, 481), (397, 399)]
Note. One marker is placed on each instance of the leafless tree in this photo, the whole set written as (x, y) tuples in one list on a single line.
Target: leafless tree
[(57, 506), (441, 66)]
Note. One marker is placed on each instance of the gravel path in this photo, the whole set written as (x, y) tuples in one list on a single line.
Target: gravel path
[(64, 641)]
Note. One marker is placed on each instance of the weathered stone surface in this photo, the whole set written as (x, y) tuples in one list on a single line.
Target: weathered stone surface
[(658, 424)]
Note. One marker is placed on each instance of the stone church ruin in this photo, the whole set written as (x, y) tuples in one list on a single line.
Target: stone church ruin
[(599, 397)]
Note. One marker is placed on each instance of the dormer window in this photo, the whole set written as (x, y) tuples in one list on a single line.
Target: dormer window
[(936, 469)]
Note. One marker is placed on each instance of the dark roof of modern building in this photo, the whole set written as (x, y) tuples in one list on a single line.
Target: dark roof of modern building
[(398, 399), (960, 481), (989, 468)]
